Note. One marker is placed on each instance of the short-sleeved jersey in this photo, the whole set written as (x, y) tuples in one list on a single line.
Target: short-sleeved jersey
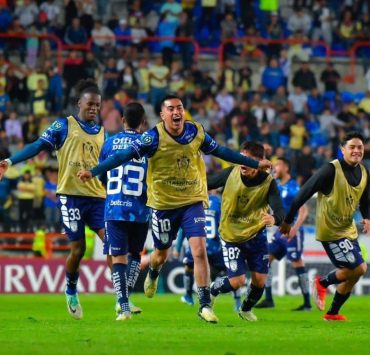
[(126, 185), (288, 191), (213, 214), (78, 145)]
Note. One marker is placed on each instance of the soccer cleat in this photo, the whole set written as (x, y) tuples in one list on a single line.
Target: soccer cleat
[(319, 293), (188, 300), (117, 308), (303, 308), (134, 309), (74, 306), (124, 316), (150, 286), (206, 313), (337, 317), (265, 304), (249, 315)]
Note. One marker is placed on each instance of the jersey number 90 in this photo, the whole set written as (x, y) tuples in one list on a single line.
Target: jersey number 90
[(134, 184)]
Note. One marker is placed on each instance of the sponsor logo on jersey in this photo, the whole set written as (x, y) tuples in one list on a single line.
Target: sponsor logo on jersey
[(199, 219), (120, 203)]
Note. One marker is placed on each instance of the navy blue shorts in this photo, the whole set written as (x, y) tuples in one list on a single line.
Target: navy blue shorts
[(253, 253), (166, 224), (280, 246), (122, 237), (78, 211), (215, 260), (344, 253)]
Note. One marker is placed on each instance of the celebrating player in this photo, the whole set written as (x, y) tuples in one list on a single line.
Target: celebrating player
[(126, 213), (177, 189), (246, 199), (214, 251), (292, 246), (342, 185), (77, 141)]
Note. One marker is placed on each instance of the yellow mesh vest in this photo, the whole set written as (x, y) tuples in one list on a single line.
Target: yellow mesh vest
[(334, 212), (242, 207), (176, 172), (79, 151)]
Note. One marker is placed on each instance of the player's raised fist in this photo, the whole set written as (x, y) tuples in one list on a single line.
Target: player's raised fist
[(285, 229), (84, 175), (265, 164), (3, 168)]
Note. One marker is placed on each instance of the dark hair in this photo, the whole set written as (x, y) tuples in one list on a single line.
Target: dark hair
[(286, 162), (134, 114), (87, 86), (351, 135), (169, 97), (256, 149)]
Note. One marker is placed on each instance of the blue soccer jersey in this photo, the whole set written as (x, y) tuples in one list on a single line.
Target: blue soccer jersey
[(126, 184), (213, 214), (288, 192)]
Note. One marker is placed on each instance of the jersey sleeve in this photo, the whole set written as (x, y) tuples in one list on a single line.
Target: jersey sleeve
[(209, 144), (146, 144), (56, 134)]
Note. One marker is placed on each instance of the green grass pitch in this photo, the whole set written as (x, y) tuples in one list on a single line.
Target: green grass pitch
[(40, 324)]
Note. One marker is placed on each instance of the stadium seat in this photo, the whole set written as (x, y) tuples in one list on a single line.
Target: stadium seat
[(359, 96), (347, 96), (330, 95)]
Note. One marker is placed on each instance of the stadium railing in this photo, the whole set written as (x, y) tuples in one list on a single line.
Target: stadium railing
[(259, 41), (50, 37), (22, 242), (355, 54)]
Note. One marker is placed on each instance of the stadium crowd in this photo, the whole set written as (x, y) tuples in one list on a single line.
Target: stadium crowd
[(303, 124)]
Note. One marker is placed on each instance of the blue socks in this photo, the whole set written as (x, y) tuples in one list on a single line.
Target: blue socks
[(119, 280), (72, 279), (254, 294), (204, 296), (188, 282)]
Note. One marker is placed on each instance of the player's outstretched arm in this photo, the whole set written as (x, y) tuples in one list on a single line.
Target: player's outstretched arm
[(231, 156), (366, 226), (115, 160), (29, 151), (302, 215), (285, 228)]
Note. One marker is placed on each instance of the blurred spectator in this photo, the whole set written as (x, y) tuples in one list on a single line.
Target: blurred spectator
[(70, 12), (127, 79), (39, 100), (188, 6), (75, 34), (229, 77), (245, 78), (272, 77), (296, 49), (297, 101), (346, 116), (136, 14), (27, 13), (225, 100), (142, 74), (34, 76), (365, 103), (26, 194), (51, 10), (202, 118), (348, 29), (72, 73), (111, 117), (285, 65), (197, 99), (330, 77), (274, 31), (264, 113), (208, 14), (305, 165), (138, 33), (298, 134), (186, 30), (30, 129), (328, 124), (299, 21), (4, 99), (39, 242), (229, 31), (177, 80), (32, 47), (103, 40), (110, 78), (5, 18), (170, 11), (315, 102), (13, 127), (91, 66), (122, 30), (38, 201), (158, 81), (305, 78), (55, 91), (87, 12), (16, 44), (5, 203), (280, 100), (167, 29), (322, 24), (151, 22)]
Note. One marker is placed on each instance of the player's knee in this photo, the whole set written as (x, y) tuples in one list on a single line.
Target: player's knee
[(237, 282), (78, 251), (259, 282), (199, 252), (361, 269)]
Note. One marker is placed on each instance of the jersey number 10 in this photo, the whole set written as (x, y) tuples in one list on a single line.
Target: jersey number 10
[(133, 186)]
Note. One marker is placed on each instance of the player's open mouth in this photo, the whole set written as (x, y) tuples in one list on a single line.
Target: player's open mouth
[(176, 119)]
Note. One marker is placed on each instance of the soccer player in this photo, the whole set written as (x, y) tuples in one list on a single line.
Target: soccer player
[(341, 185), (214, 250), (126, 213), (246, 199), (292, 247), (77, 140), (177, 190)]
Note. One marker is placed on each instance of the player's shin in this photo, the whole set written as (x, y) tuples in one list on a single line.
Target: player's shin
[(221, 285), (330, 279), (268, 286), (189, 282), (254, 294), (133, 271), (304, 284), (71, 279), (119, 280), (338, 302)]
